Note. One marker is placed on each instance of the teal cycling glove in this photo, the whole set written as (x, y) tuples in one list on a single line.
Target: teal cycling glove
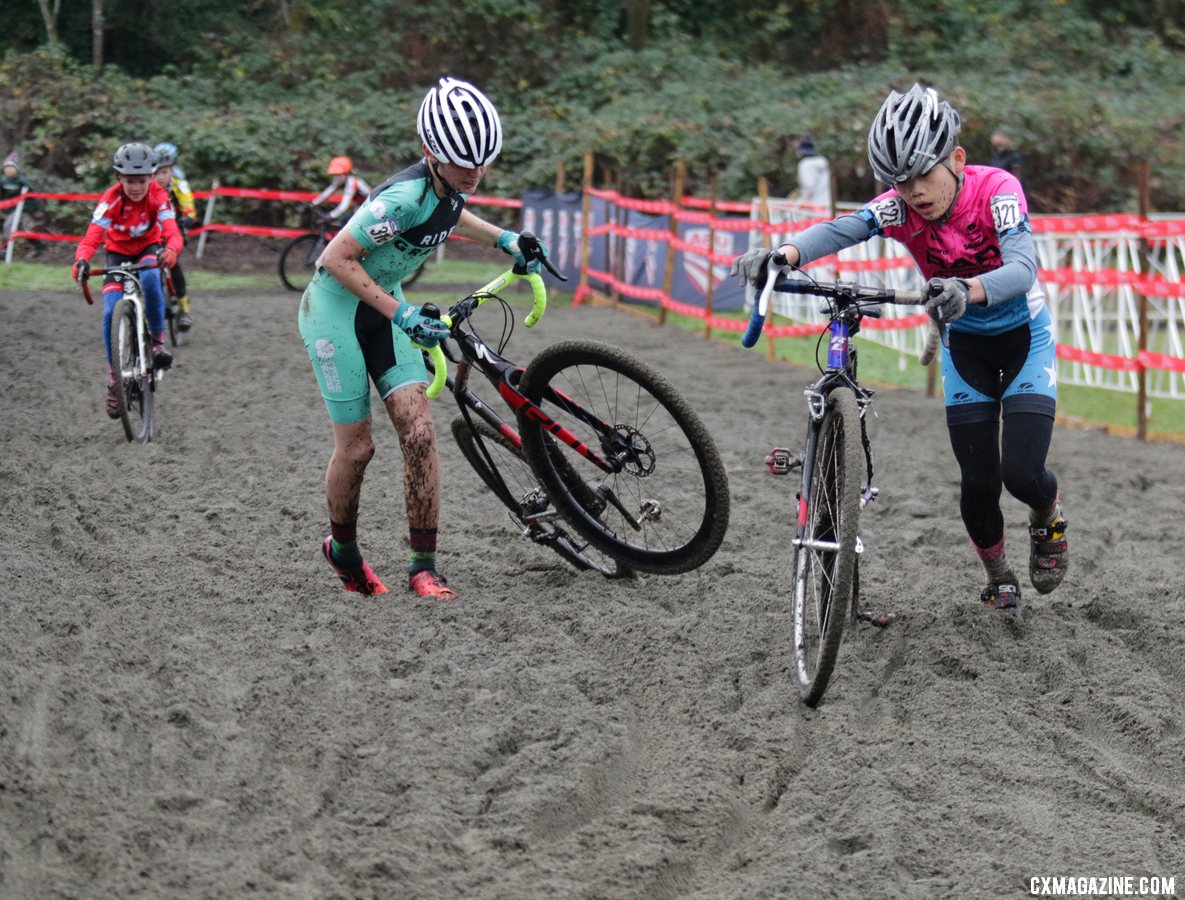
[(423, 330)]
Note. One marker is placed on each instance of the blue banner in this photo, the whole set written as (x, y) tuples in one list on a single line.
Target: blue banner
[(556, 218)]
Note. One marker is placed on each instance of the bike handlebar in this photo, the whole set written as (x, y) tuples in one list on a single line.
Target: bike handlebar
[(126, 268), (465, 308), (847, 291)]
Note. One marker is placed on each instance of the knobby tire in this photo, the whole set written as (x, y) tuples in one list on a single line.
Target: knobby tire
[(825, 559), (134, 391), (297, 262), (672, 482)]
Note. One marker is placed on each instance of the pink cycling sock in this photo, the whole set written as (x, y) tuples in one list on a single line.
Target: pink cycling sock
[(994, 561)]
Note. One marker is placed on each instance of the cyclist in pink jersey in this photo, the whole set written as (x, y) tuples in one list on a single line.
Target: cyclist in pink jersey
[(967, 228)]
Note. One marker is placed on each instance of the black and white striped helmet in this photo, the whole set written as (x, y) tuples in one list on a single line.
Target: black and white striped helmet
[(911, 134), (459, 125)]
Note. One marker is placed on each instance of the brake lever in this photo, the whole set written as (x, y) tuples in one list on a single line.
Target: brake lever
[(529, 245)]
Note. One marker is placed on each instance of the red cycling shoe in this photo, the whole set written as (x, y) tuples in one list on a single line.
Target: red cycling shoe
[(357, 581), (429, 583)]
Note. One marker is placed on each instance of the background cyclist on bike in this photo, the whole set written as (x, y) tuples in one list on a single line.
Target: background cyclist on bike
[(133, 217), (967, 228), (170, 177), (355, 322), (353, 189)]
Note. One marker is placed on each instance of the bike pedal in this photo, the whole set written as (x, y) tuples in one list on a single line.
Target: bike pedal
[(781, 461)]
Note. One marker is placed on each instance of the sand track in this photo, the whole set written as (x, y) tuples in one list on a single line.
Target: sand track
[(191, 707)]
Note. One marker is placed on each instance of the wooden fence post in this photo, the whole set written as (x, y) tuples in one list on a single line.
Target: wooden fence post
[(767, 240), (711, 265), (669, 275), (559, 177), (206, 219), (585, 207)]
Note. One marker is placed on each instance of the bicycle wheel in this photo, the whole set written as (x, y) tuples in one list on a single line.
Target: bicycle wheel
[(298, 261), (527, 501), (825, 549), (665, 509), (134, 390)]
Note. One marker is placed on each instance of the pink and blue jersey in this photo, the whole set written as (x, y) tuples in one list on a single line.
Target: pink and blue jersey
[(987, 235)]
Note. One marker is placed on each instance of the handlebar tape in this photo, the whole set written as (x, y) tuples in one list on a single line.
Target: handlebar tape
[(753, 332), (439, 364), (439, 372), (761, 304)]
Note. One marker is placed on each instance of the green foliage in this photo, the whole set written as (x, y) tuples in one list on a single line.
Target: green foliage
[(1091, 90)]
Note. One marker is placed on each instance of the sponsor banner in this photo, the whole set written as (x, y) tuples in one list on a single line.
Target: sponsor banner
[(643, 237)]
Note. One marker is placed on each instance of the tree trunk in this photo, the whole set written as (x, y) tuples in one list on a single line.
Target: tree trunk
[(637, 23), (51, 22), (97, 35)]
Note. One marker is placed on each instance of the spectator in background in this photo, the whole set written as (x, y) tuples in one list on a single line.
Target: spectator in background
[(1007, 157), (353, 188), (12, 185), (814, 177)]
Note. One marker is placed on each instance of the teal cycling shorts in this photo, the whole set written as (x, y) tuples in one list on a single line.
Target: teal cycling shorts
[(350, 344)]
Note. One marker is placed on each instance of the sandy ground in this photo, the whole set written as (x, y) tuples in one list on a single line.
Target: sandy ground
[(191, 707)]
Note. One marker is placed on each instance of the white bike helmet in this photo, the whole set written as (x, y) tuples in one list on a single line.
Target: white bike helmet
[(911, 134), (459, 125)]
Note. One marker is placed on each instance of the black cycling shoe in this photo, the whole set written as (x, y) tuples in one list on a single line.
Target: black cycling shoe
[(1049, 554), (1003, 595), (162, 356)]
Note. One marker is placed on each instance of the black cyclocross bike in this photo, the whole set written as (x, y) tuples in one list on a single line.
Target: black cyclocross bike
[(603, 461), (836, 469)]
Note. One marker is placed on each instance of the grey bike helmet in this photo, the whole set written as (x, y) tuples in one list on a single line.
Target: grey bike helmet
[(135, 159), (459, 125), (911, 134), (166, 154)]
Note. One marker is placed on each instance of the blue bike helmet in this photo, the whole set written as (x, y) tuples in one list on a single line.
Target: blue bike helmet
[(166, 154)]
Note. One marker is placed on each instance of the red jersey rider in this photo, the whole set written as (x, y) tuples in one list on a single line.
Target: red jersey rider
[(132, 219)]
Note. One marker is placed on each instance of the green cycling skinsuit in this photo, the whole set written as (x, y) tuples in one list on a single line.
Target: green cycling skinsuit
[(401, 223)]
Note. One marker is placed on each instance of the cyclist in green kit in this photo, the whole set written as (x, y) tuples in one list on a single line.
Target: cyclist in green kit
[(358, 328)]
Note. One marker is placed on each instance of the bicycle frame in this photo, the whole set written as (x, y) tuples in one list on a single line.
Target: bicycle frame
[(129, 273), (503, 375)]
